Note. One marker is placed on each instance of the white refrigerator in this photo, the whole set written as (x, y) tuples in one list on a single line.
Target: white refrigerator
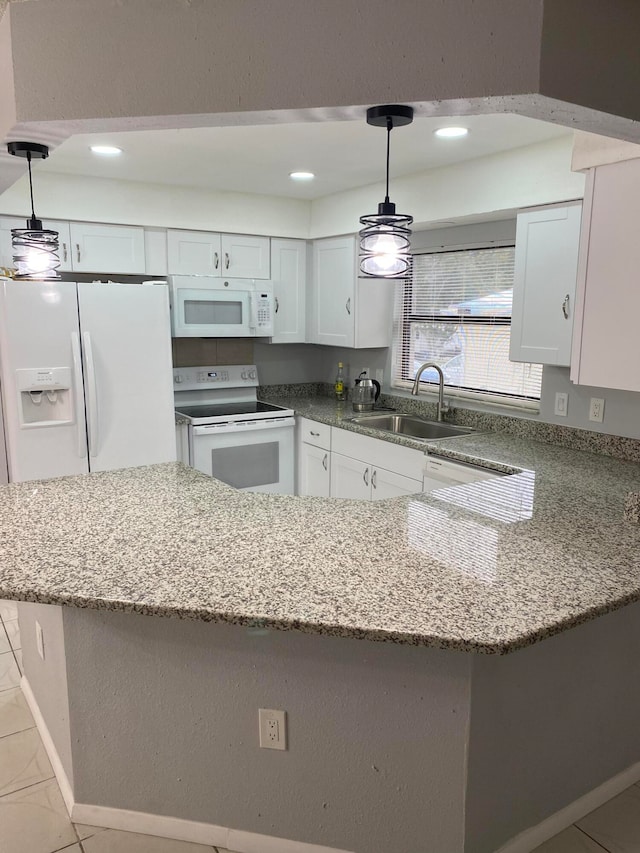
[(86, 377)]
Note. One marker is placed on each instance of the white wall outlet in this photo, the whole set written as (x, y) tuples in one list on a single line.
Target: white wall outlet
[(562, 404), (40, 640), (380, 375), (596, 409), (273, 728)]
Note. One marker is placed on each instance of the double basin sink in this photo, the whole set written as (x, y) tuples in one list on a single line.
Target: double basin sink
[(413, 426)]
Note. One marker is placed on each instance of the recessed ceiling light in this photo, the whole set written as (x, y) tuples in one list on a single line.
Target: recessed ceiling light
[(302, 176), (451, 132), (106, 150)]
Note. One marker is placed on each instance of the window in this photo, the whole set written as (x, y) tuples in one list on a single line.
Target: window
[(455, 310)]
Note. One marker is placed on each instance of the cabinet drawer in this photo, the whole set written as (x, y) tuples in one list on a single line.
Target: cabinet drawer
[(312, 432), (383, 454)]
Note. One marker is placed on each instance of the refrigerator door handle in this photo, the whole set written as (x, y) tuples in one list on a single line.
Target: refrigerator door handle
[(92, 395), (77, 390)]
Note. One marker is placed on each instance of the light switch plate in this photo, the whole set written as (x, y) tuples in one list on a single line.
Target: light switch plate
[(562, 404)]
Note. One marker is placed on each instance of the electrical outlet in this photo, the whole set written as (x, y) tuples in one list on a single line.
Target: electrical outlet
[(40, 640), (273, 728), (596, 410), (562, 403), (380, 376)]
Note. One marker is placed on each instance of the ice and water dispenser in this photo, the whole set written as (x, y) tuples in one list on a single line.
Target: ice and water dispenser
[(45, 397)]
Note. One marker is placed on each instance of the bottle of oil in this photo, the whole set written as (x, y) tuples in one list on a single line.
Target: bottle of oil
[(338, 386)]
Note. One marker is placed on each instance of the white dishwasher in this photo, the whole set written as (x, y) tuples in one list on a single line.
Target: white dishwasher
[(440, 473)]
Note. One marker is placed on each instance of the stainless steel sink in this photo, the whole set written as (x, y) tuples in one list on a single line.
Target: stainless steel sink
[(412, 426)]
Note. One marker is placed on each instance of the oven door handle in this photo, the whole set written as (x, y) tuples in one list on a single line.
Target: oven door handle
[(243, 426)]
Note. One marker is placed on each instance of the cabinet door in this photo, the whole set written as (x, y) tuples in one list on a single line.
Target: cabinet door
[(315, 471), (374, 312), (606, 329), (193, 253), (387, 484), (244, 257), (107, 248), (6, 251), (332, 309), (546, 263), (350, 478), (289, 276)]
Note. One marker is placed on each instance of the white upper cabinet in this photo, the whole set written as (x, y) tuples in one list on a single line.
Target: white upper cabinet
[(344, 310), (245, 257), (193, 253), (107, 248), (608, 298), (209, 253), (289, 276), (546, 263)]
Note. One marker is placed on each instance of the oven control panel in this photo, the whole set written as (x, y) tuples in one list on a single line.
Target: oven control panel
[(215, 376)]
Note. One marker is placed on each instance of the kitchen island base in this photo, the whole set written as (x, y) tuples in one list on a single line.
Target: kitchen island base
[(391, 747)]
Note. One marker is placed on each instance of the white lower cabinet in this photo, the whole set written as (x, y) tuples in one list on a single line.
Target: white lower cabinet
[(313, 448), (314, 471), (352, 478), (373, 469)]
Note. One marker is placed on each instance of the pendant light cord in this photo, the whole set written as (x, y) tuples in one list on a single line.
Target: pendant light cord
[(33, 212), (389, 128)]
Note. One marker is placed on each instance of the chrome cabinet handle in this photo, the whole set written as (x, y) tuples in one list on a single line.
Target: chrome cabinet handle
[(565, 307), (78, 251), (374, 475), (324, 461), (314, 433), (277, 304), (216, 260), (348, 305), (365, 476), (226, 260), (64, 252)]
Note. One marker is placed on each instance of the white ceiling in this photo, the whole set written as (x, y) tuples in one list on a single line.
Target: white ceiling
[(257, 159)]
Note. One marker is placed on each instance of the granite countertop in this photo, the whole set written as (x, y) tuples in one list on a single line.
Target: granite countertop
[(485, 567)]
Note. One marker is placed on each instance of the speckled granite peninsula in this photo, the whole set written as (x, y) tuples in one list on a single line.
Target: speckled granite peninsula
[(404, 744), (487, 567)]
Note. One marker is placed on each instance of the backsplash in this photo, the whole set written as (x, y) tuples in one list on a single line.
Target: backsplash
[(193, 352), (618, 447)]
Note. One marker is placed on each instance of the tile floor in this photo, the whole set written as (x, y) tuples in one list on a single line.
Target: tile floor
[(33, 817)]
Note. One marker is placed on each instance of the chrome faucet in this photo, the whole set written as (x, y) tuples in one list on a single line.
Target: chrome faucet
[(442, 407)]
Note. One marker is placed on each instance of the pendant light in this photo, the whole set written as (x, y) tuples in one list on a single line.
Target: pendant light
[(35, 249), (385, 251)]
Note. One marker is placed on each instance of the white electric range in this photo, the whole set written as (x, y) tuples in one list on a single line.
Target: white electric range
[(232, 435)]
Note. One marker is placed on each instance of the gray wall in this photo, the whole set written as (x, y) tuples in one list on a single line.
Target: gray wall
[(549, 724), (48, 677), (164, 715)]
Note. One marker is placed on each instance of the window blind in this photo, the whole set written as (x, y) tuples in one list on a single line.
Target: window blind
[(455, 310)]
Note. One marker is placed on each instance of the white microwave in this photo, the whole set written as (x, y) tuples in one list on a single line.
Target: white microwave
[(204, 307)]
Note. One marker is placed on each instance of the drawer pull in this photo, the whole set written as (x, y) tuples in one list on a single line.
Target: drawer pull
[(325, 461), (277, 304), (78, 251), (64, 252), (565, 307), (374, 475), (365, 476), (314, 433), (226, 260), (216, 260), (348, 305)]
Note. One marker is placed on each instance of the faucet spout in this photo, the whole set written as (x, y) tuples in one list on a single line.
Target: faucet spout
[(416, 386)]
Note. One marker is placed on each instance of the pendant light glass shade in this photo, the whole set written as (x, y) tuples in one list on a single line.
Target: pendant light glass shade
[(385, 247), (35, 249)]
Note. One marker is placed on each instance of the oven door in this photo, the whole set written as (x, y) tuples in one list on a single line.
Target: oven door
[(198, 312), (256, 456)]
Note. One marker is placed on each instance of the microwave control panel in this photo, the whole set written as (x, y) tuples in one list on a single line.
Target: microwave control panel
[(263, 310)]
